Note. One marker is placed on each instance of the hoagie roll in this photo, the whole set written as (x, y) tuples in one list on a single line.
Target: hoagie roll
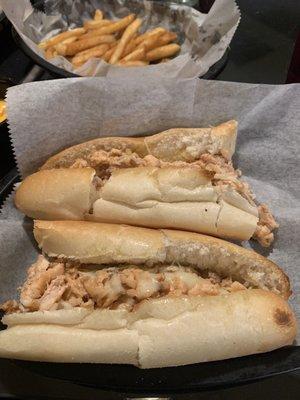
[(106, 293), (179, 179)]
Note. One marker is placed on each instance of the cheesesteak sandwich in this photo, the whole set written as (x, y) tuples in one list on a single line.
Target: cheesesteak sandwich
[(106, 293), (181, 179)]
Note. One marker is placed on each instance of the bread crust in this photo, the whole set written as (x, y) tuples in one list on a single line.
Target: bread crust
[(178, 144), (210, 218), (96, 243), (61, 344), (57, 194), (101, 243), (171, 197), (207, 328)]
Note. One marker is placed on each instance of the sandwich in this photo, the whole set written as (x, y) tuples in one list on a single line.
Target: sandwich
[(179, 179), (106, 293)]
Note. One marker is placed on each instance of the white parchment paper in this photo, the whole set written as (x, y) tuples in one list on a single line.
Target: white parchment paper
[(45, 117), (204, 37)]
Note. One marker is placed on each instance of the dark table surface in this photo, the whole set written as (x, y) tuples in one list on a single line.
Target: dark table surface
[(260, 52), (263, 45)]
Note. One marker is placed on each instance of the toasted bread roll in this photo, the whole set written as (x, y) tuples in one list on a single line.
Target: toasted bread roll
[(176, 144), (99, 243), (171, 197), (159, 333), (220, 220), (210, 198), (65, 194), (120, 294), (60, 344)]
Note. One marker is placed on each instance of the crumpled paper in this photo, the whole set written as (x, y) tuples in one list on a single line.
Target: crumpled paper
[(204, 37), (45, 117)]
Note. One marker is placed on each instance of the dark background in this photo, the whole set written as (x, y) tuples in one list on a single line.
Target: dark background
[(262, 47), (261, 52)]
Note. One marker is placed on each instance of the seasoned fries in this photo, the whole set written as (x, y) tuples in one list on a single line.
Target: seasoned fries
[(149, 33), (96, 24), (138, 54), (115, 42), (162, 52), (69, 40), (80, 45), (150, 42), (127, 35), (50, 53), (131, 46), (116, 26), (84, 56), (61, 37), (164, 39), (108, 54), (98, 15)]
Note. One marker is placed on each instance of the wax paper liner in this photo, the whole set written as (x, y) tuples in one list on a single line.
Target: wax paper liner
[(204, 37), (45, 117)]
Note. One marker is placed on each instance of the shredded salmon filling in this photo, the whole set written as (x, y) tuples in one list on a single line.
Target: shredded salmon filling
[(221, 170), (57, 285), (265, 226)]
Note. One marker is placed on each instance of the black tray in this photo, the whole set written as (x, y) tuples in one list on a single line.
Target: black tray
[(190, 378), (7, 184)]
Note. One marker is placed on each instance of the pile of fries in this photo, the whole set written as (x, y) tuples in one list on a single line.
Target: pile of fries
[(116, 42)]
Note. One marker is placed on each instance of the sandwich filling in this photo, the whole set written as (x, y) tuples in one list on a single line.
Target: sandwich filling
[(54, 285), (220, 170)]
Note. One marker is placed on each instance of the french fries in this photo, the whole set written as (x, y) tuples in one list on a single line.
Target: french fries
[(61, 37), (80, 45), (162, 52), (96, 24), (116, 26), (158, 40), (150, 42), (127, 35), (138, 54), (149, 33), (114, 41), (50, 53), (108, 54), (131, 46), (84, 56), (68, 40), (98, 15)]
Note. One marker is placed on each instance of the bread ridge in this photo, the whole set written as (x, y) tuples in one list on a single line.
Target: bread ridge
[(259, 321), (100, 243), (169, 145)]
